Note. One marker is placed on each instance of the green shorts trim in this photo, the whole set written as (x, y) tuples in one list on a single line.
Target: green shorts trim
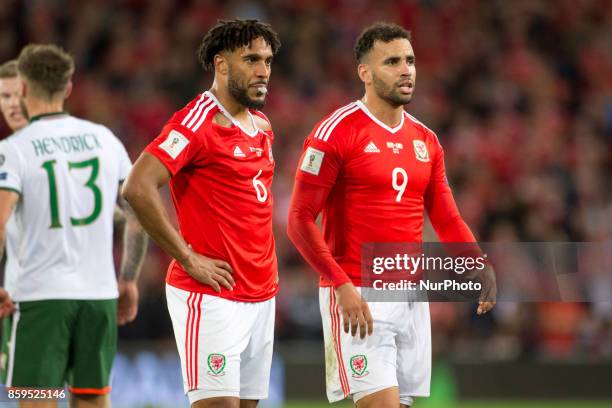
[(48, 343)]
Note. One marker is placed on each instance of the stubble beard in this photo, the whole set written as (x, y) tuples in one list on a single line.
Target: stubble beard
[(390, 94), (241, 95)]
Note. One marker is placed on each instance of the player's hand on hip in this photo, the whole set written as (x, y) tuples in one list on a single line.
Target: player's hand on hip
[(488, 293), (127, 305), (7, 306), (212, 272), (355, 311)]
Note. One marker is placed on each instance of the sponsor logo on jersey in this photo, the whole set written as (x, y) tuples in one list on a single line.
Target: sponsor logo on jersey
[(420, 150), (313, 159), (2, 159), (256, 150), (3, 175), (396, 147), (174, 144), (371, 148), (238, 152), (359, 365), (216, 364)]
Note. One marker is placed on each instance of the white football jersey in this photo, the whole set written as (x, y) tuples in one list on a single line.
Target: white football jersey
[(60, 237)]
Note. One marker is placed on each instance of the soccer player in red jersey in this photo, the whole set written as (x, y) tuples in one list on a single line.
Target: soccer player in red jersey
[(216, 154), (372, 169)]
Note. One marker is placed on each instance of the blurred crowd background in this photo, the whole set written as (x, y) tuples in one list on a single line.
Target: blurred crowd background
[(518, 92)]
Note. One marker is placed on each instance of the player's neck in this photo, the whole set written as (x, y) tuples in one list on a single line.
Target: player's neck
[(36, 107), (237, 110), (388, 114)]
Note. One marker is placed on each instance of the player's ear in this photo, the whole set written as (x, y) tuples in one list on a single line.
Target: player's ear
[(24, 88), (220, 62), (363, 70), (68, 90)]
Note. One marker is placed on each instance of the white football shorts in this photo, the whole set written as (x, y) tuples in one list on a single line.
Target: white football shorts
[(397, 354), (225, 346)]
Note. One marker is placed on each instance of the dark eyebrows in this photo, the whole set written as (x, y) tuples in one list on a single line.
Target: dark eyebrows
[(395, 58), (392, 58), (256, 56)]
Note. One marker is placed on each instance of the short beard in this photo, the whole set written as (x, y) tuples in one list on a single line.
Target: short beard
[(241, 94), (389, 94)]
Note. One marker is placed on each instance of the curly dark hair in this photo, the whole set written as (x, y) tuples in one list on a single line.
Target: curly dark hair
[(47, 67), (228, 35), (380, 31)]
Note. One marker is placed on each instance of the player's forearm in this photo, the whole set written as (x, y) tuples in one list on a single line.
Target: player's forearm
[(8, 201), (306, 203), (118, 217), (147, 204), (453, 230), (306, 236), (2, 242), (135, 242), (445, 217)]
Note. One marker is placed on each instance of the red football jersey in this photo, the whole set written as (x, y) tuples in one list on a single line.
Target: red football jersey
[(380, 178), (220, 185)]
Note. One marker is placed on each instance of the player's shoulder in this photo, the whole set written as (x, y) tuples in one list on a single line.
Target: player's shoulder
[(261, 120), (18, 140), (426, 132), (85, 124), (196, 115), (13, 146), (11, 139), (336, 124), (6, 144), (103, 134)]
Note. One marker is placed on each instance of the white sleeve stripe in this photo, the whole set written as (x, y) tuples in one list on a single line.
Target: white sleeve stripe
[(198, 113), (263, 116), (337, 121), (193, 109), (327, 121), (203, 117), (323, 127)]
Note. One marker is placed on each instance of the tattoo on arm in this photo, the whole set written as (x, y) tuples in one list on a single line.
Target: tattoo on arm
[(135, 243), (3, 239), (118, 216), (2, 242)]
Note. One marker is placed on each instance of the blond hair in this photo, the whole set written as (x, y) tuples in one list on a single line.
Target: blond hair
[(8, 69)]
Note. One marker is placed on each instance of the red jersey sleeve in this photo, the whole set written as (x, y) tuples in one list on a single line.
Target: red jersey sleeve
[(176, 146), (321, 159), (441, 206), (316, 175)]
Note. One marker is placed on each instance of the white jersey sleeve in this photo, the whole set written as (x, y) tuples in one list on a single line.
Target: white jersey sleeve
[(123, 159), (11, 167), (125, 164)]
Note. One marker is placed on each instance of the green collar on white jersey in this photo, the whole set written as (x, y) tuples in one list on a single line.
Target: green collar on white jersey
[(44, 115)]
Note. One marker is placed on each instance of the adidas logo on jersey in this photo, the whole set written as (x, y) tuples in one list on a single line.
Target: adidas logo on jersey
[(371, 148), (238, 152)]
